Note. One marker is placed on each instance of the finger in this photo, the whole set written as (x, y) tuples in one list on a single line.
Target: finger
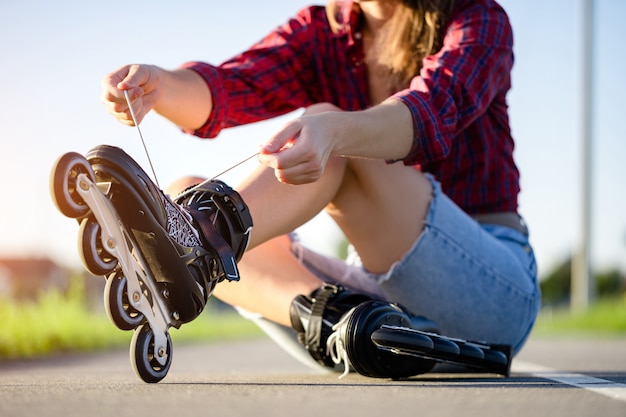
[(268, 159), (121, 111), (295, 166), (130, 78), (300, 174), (136, 77), (284, 158)]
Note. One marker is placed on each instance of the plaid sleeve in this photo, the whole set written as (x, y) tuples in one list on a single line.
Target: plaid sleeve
[(267, 80), (211, 75), (457, 85)]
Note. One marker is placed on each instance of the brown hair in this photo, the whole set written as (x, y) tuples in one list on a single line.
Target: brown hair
[(413, 32)]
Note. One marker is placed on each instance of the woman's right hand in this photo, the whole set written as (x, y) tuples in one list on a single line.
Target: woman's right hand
[(142, 84)]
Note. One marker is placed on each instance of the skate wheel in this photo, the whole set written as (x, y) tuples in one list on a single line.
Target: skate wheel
[(144, 358), (403, 341), (444, 348), (496, 358), (471, 353), (118, 307), (63, 184), (94, 256)]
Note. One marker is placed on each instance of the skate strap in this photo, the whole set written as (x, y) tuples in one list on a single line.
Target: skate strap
[(313, 335), (230, 201), (215, 196), (225, 198), (220, 246)]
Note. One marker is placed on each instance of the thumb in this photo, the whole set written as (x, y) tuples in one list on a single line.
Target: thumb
[(283, 138)]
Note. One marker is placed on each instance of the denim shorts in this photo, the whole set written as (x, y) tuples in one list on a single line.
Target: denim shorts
[(476, 281)]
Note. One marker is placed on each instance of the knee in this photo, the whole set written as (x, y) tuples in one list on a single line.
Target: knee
[(181, 184)]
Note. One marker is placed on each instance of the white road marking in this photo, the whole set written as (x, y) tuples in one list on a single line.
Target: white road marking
[(604, 387)]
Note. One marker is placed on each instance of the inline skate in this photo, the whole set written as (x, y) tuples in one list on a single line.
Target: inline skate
[(161, 258), (380, 339)]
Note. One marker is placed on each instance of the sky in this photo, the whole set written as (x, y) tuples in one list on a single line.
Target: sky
[(54, 55)]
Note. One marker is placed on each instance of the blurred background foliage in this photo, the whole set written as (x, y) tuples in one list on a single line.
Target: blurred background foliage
[(46, 309)]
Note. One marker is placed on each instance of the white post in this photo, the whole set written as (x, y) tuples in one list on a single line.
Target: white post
[(583, 286)]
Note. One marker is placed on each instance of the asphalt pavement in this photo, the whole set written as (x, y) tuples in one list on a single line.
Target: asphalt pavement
[(551, 377)]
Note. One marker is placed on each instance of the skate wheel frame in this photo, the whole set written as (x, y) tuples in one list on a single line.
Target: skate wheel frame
[(484, 357), (120, 245), (104, 246)]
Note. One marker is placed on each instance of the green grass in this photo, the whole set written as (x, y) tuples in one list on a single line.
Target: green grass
[(606, 316), (63, 323)]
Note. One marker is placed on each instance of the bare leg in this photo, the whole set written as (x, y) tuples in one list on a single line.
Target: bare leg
[(380, 208), (271, 275)]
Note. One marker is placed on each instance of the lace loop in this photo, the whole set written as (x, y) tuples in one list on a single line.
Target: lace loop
[(335, 347)]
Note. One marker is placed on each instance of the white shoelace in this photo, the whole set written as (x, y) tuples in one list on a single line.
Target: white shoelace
[(335, 347)]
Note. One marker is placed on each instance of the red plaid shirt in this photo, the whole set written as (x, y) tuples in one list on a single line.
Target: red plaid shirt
[(458, 100)]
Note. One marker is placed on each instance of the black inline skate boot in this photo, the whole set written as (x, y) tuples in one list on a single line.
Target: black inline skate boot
[(224, 220), (162, 260), (336, 325)]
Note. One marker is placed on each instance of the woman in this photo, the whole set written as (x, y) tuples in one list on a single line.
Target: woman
[(404, 142)]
